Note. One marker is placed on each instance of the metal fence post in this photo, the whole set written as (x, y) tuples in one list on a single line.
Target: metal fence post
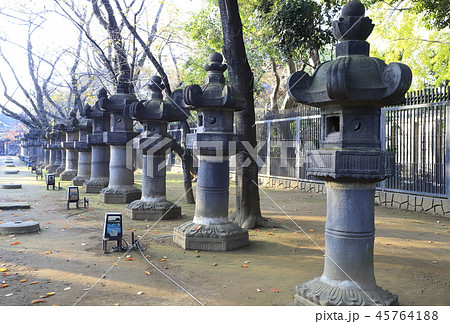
[(268, 148), (297, 149), (382, 184), (447, 150)]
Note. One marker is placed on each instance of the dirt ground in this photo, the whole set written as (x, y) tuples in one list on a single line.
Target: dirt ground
[(65, 260)]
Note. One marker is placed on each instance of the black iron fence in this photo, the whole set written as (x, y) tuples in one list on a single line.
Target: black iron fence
[(418, 133)]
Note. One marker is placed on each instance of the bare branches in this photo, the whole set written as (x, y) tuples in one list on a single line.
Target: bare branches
[(146, 48)]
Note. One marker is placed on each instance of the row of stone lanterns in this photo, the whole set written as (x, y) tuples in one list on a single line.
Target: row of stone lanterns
[(350, 92)]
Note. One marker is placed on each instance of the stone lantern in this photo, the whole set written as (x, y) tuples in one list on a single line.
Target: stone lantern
[(215, 103), (71, 130), (350, 92), (99, 178), (84, 152), (121, 188), (154, 114)]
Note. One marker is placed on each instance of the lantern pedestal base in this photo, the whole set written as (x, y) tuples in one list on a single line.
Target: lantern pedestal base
[(68, 175), (319, 293), (94, 186), (223, 237), (119, 195), (79, 180), (142, 210)]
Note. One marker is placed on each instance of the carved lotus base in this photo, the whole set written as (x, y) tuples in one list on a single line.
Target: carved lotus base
[(143, 210), (95, 186), (317, 292), (59, 171), (224, 237), (120, 195), (79, 180), (68, 175), (52, 168)]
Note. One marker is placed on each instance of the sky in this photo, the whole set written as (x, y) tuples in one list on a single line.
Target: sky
[(56, 34)]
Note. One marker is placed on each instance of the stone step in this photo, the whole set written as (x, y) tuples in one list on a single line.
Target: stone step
[(14, 205)]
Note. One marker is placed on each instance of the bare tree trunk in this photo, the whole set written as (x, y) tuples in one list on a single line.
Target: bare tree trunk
[(288, 103), (274, 94), (248, 213)]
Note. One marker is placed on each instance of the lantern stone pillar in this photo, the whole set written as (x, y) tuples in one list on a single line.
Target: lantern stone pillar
[(84, 153), (71, 130), (61, 137), (154, 143), (215, 102), (99, 177), (54, 150), (23, 147), (350, 92), (46, 146), (121, 189)]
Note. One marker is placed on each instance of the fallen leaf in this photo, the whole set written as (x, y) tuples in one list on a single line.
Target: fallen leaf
[(15, 243), (162, 260), (311, 230), (50, 294), (34, 282), (257, 230), (275, 290), (269, 233), (294, 250), (166, 267), (9, 295), (6, 274), (37, 301), (23, 280), (133, 230), (67, 288), (4, 286), (48, 252), (244, 266), (147, 273), (258, 290), (148, 256), (139, 293), (214, 264), (3, 269), (129, 259), (435, 262)]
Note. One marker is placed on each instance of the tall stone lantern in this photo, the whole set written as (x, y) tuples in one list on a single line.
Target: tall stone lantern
[(47, 148), (121, 188), (215, 104), (99, 178), (154, 114), (350, 92), (71, 130), (84, 152)]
